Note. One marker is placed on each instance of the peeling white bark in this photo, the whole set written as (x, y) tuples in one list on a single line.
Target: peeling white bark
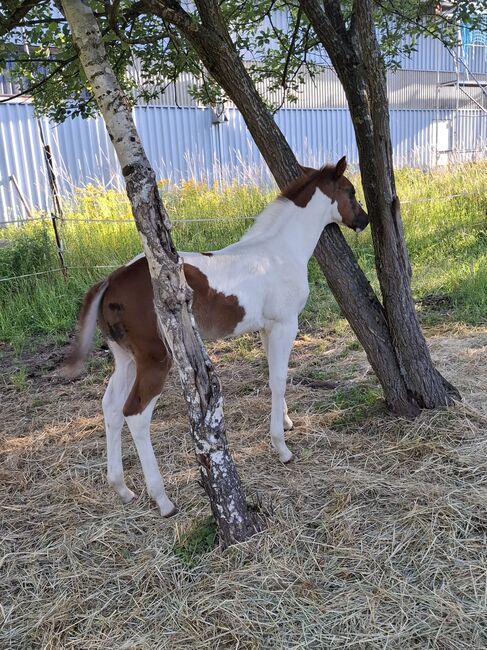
[(172, 296)]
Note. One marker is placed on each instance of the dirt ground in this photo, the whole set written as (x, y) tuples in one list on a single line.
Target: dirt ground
[(376, 532)]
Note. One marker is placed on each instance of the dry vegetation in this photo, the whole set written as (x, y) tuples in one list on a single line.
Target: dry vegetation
[(376, 532)]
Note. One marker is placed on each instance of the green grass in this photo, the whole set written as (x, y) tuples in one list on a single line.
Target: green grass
[(447, 241), (19, 379), (198, 540)]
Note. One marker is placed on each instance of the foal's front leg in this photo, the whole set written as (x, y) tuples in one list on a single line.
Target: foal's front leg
[(280, 339), (288, 423)]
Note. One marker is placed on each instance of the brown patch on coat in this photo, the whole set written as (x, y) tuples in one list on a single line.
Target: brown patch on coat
[(150, 377), (301, 191), (217, 314), (133, 325)]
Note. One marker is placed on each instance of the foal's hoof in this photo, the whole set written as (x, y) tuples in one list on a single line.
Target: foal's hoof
[(128, 496), (288, 425), (167, 508), (286, 457), (171, 513)]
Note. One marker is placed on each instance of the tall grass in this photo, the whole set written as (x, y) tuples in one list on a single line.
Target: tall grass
[(447, 240)]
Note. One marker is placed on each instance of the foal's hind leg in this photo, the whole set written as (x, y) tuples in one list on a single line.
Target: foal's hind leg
[(138, 411), (115, 395), (288, 423)]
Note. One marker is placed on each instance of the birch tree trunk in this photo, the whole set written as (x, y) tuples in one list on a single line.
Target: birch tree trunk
[(172, 296)]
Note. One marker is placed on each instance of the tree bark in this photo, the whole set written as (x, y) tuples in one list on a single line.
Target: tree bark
[(172, 296), (357, 59), (346, 279), (352, 292), (427, 385)]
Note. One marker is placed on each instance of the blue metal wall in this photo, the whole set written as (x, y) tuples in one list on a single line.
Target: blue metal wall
[(183, 143)]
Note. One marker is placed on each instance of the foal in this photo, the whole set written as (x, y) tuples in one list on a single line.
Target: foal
[(257, 284)]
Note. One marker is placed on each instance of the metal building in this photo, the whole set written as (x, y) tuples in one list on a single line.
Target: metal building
[(438, 108)]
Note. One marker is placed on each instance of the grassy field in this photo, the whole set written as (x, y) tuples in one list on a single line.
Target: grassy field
[(447, 240)]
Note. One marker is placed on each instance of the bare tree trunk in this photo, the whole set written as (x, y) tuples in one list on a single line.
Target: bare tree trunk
[(172, 296), (345, 278), (426, 384), (357, 59), (367, 319)]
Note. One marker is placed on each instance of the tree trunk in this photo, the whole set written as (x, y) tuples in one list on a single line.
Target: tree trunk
[(352, 292), (346, 279), (172, 296), (357, 59), (426, 384)]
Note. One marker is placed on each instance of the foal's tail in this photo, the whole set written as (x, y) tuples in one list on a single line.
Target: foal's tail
[(85, 331)]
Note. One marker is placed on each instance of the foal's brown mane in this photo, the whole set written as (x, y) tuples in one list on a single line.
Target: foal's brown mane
[(301, 190)]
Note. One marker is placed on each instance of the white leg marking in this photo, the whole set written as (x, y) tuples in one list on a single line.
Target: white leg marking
[(280, 341), (139, 426), (288, 423), (115, 395)]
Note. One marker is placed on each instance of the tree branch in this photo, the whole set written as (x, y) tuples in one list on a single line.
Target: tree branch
[(319, 15), (173, 13), (291, 47), (31, 89), (418, 23), (14, 19)]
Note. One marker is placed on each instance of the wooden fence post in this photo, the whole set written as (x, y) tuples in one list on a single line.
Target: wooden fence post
[(57, 211), (51, 177), (22, 198)]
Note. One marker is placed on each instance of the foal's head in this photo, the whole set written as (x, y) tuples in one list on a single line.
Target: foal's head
[(330, 180)]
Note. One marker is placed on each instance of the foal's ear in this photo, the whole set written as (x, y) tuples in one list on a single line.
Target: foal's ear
[(340, 168)]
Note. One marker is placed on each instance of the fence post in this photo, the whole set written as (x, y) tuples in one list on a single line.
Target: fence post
[(22, 198), (51, 177), (57, 212)]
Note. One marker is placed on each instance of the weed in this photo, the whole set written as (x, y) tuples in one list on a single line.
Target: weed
[(199, 539), (317, 374), (356, 395), (353, 345), (19, 379), (306, 453), (355, 404), (39, 401)]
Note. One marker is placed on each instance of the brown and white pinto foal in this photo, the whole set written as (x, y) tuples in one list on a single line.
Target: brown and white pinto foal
[(259, 283)]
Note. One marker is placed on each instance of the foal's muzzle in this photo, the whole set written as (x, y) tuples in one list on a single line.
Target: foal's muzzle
[(361, 221)]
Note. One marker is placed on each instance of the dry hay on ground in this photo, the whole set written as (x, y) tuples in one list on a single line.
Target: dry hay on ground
[(376, 532)]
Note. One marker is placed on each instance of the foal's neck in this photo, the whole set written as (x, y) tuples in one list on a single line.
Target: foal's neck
[(300, 232)]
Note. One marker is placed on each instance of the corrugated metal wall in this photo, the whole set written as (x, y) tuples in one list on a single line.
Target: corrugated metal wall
[(431, 54), (21, 156), (183, 143), (406, 89)]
